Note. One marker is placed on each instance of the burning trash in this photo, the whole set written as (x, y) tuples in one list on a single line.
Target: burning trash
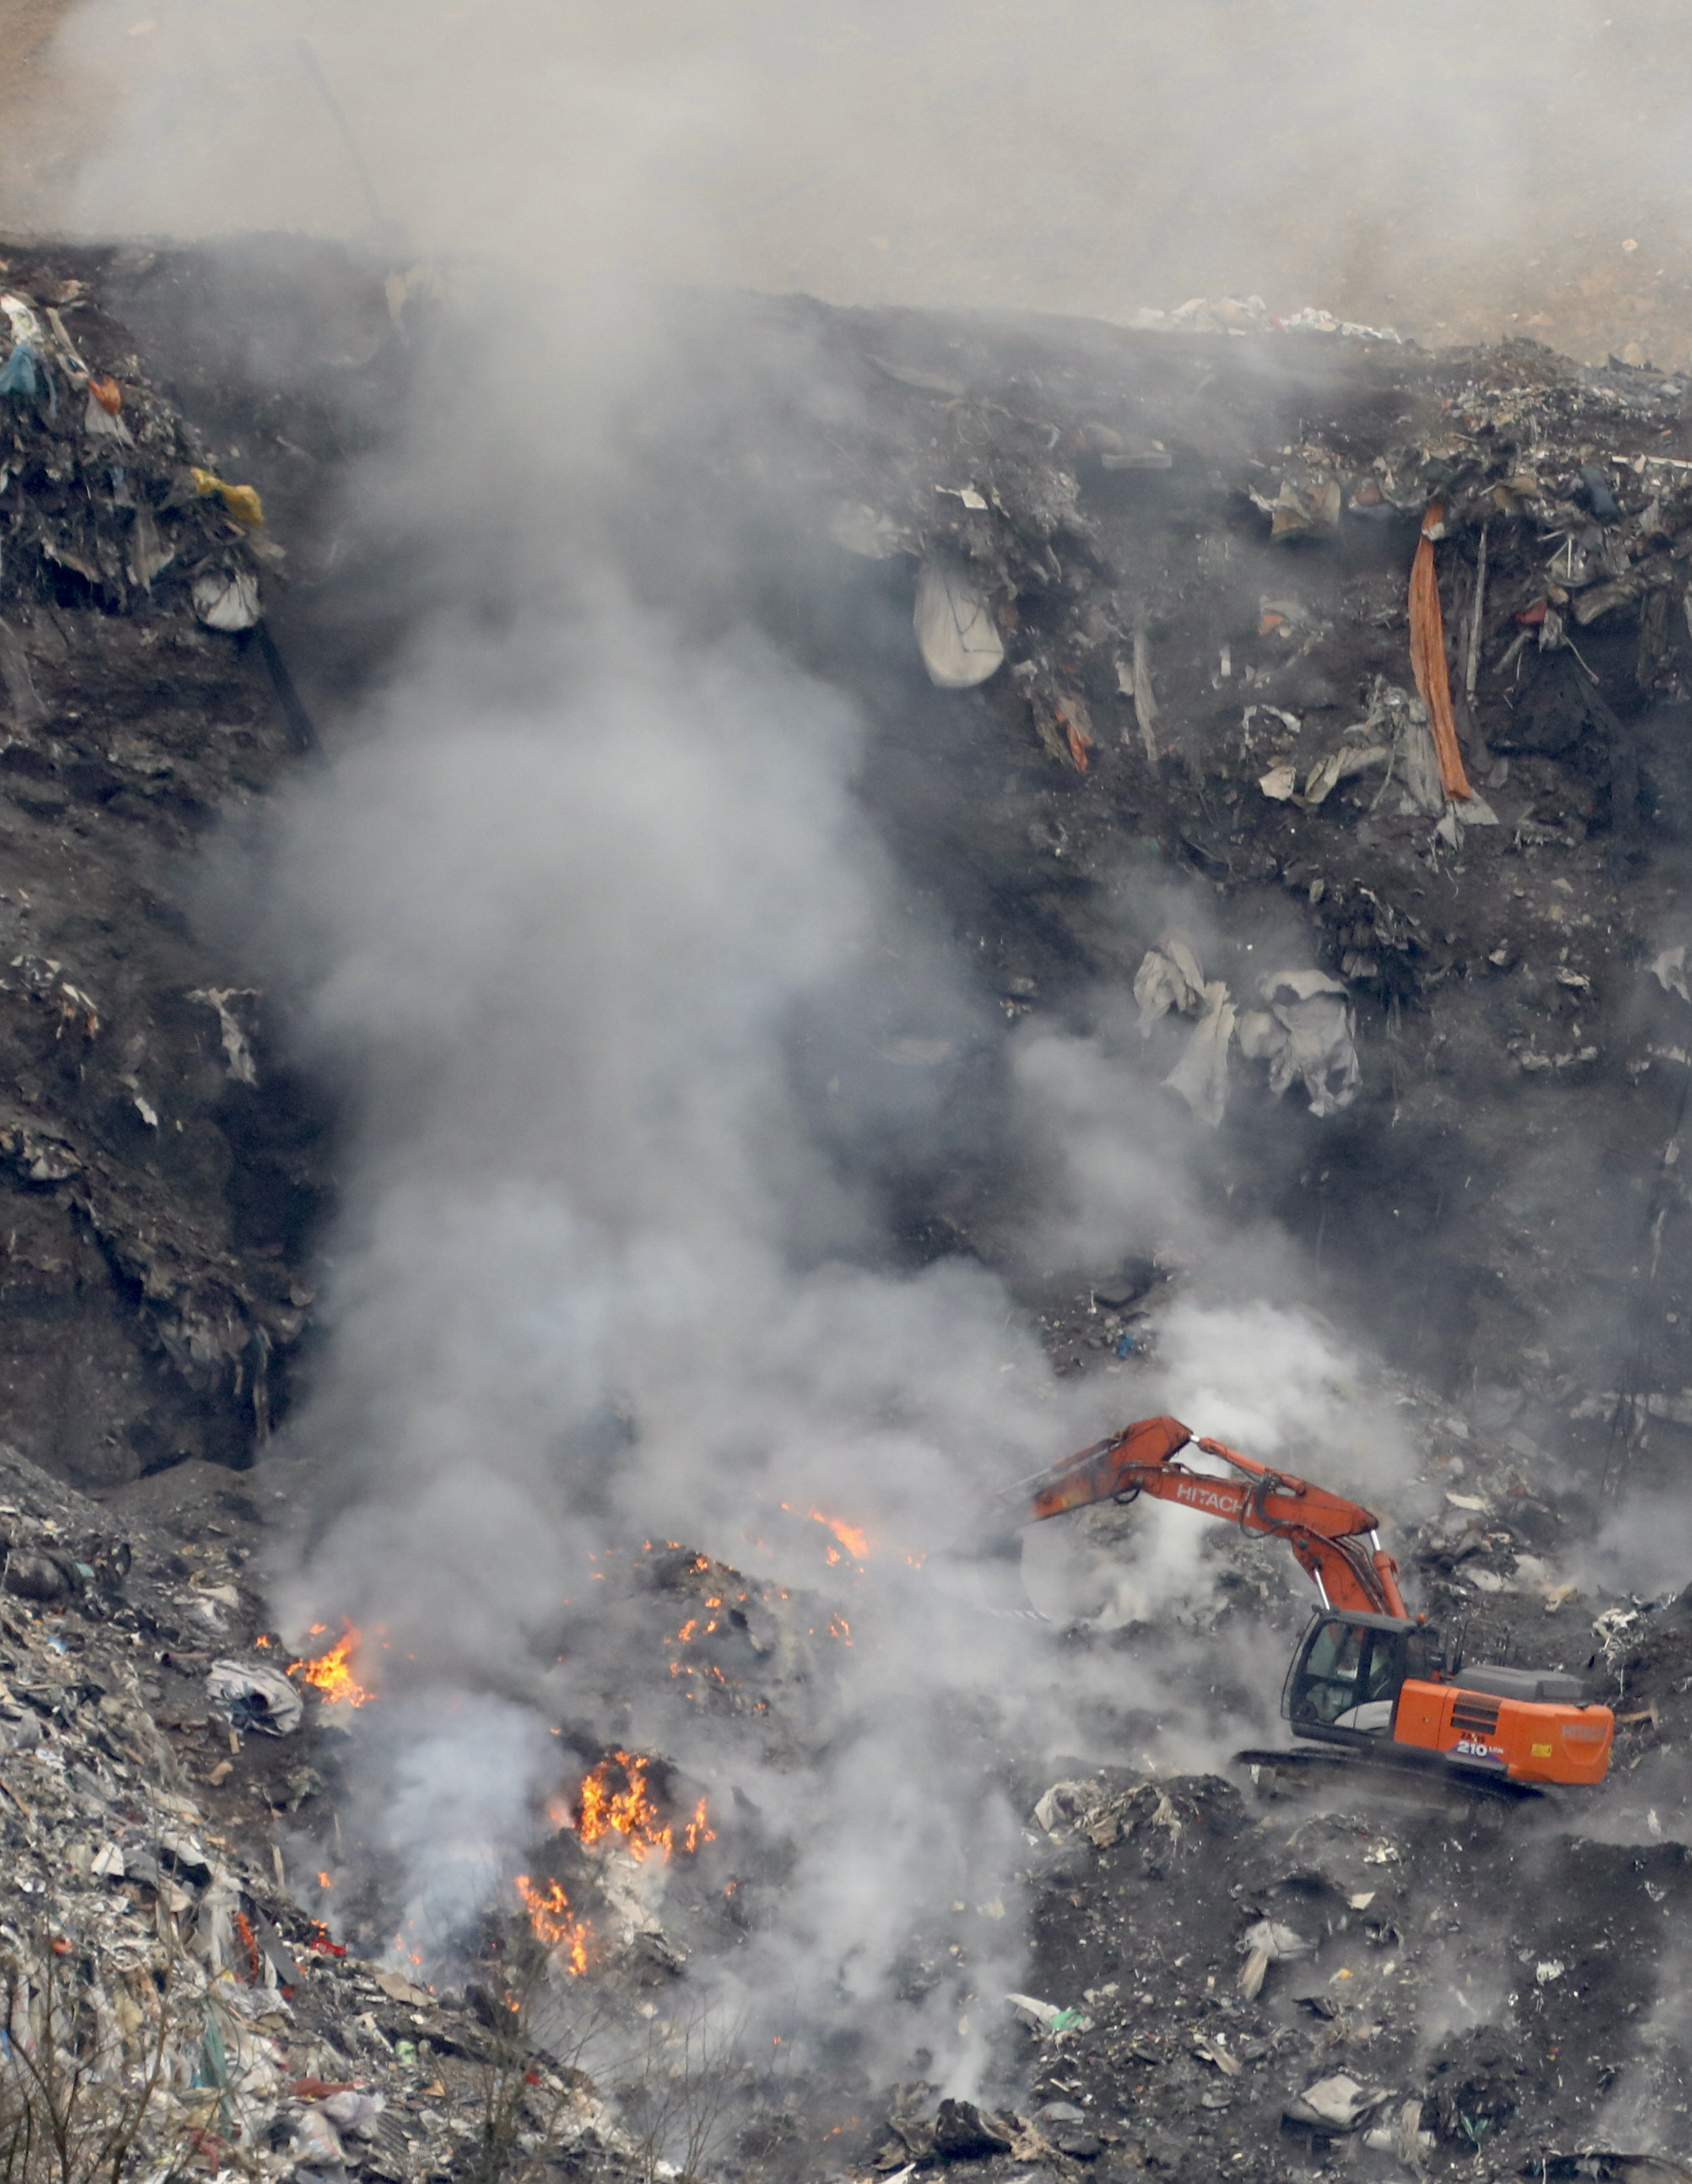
[(619, 1822), (553, 1924), (851, 1541), (602, 1810), (330, 1673)]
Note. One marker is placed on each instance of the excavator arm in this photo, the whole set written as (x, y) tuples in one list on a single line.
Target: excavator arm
[(1335, 1540)]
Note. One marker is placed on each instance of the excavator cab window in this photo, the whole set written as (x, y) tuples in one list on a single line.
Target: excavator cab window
[(1346, 1675)]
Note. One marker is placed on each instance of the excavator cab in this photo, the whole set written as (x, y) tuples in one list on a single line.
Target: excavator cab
[(1343, 1683), (1390, 1686)]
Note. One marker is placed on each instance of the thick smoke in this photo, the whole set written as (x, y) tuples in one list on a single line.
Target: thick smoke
[(560, 911)]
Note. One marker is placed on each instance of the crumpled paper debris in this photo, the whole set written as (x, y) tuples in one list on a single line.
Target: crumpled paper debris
[(1308, 1034), (1338, 2104)]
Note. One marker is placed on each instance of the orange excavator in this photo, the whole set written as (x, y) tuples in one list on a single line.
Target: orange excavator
[(1367, 1674)]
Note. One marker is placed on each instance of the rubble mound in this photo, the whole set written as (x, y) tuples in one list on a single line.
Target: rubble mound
[(163, 1166)]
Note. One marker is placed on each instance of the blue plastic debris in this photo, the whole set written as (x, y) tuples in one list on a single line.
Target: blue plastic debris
[(1127, 1346), (1598, 498), (18, 376)]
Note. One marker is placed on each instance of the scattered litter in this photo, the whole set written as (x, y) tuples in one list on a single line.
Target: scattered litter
[(1427, 656), (1070, 1804), (1614, 1630), (1145, 702), (964, 2132), (1307, 1033), (1267, 1943), (1669, 970), (1168, 977), (1048, 2016), (1210, 2049), (1063, 725), (1280, 783), (227, 599), (237, 1053), (1404, 2138), (1338, 2104), (1342, 765), (1200, 1075)]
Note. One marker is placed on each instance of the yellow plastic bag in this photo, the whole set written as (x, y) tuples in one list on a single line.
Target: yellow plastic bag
[(242, 501)]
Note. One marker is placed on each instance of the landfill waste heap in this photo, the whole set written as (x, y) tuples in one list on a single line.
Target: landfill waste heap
[(1384, 654)]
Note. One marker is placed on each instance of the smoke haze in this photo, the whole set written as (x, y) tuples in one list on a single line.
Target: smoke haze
[(611, 1263), (1460, 173), (636, 1018)]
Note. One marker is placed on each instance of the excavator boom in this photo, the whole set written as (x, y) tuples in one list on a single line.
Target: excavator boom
[(1335, 1540)]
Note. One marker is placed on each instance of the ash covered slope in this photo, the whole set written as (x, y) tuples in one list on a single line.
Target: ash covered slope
[(1234, 519), (1193, 554), (162, 1167)]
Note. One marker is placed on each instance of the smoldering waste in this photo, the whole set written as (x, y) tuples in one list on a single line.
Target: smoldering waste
[(1270, 1969), (166, 1999), (1397, 645)]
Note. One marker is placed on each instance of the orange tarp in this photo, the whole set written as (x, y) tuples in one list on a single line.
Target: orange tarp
[(1427, 658)]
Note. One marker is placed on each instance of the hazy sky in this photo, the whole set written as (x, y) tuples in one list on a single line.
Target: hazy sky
[(1441, 164)]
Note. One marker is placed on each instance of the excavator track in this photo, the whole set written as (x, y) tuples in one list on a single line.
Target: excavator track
[(1394, 1760)]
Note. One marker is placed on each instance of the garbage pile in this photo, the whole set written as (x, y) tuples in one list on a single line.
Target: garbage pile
[(1383, 662), (1384, 652), (108, 491), (161, 1983), (1305, 1961), (157, 1173)]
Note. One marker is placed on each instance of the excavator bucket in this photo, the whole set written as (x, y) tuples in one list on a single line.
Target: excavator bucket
[(1097, 1473)]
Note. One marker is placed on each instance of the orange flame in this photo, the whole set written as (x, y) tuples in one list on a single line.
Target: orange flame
[(331, 1672), (549, 1915), (852, 1537), (602, 1810)]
